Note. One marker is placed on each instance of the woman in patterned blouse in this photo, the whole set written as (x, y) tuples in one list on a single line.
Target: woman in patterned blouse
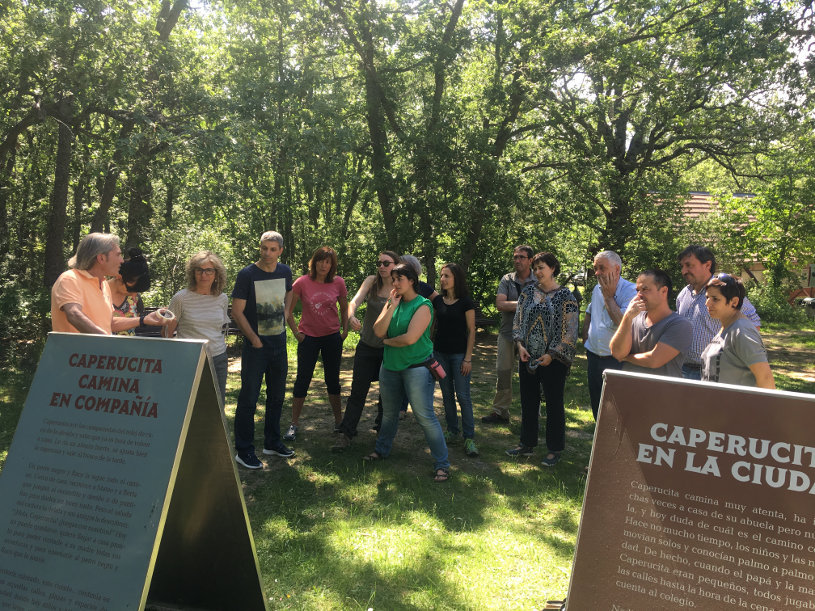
[(545, 331)]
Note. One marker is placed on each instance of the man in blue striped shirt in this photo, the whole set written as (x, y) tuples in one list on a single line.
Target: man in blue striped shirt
[(698, 266)]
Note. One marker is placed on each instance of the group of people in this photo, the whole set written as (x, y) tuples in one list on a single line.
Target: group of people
[(628, 326), (712, 337), (395, 349)]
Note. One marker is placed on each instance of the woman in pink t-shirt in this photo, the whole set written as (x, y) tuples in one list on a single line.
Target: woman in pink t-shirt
[(319, 331)]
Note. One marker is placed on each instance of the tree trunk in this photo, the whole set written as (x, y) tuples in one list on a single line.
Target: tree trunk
[(100, 217), (79, 194), (5, 189), (141, 188), (380, 164), (168, 203), (288, 221), (54, 262)]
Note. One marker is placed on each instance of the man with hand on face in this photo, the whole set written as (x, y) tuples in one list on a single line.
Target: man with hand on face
[(651, 337), (609, 300), (80, 298), (698, 266), (507, 302)]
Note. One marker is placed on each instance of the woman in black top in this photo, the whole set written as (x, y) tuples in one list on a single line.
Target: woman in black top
[(453, 348)]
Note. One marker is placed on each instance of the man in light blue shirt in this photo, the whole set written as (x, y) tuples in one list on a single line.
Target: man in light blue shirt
[(609, 301)]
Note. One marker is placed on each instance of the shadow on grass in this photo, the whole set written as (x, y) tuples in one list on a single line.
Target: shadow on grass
[(348, 534)]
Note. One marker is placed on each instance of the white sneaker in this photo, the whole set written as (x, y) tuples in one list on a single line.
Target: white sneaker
[(291, 433)]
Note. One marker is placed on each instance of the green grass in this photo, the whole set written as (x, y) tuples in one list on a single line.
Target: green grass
[(334, 533)]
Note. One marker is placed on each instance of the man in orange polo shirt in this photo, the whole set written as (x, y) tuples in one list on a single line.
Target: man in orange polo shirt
[(80, 298)]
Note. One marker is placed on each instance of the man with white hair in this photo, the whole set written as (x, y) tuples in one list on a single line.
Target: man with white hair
[(80, 298), (609, 301)]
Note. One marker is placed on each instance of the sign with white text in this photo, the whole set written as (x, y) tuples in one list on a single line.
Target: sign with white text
[(700, 496), (119, 490)]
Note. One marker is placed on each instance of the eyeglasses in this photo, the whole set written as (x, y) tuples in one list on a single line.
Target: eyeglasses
[(384, 263), (209, 271), (517, 257)]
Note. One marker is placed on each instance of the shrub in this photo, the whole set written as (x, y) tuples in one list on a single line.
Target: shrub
[(772, 305)]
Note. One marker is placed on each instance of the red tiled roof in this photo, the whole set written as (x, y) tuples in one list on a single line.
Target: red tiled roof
[(700, 202)]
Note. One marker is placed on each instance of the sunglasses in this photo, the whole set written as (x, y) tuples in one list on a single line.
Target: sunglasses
[(205, 270), (384, 263)]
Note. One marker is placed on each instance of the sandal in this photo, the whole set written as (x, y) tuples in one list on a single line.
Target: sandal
[(442, 475), (373, 456)]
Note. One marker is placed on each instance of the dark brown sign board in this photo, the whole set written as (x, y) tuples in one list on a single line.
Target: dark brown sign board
[(699, 496), (119, 490)]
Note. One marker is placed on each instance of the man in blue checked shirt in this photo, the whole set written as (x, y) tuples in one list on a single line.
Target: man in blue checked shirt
[(698, 266)]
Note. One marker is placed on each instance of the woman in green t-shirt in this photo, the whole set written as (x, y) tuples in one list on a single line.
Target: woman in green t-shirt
[(405, 326)]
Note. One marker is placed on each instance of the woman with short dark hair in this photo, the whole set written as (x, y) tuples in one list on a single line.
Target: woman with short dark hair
[(736, 355), (545, 331), (404, 325), (201, 311), (318, 333)]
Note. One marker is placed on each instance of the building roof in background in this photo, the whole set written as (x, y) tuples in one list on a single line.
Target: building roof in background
[(701, 202)]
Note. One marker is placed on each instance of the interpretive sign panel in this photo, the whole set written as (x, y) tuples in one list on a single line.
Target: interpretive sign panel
[(119, 489), (700, 496)]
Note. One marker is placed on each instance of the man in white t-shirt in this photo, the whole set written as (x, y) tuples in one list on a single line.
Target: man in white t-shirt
[(609, 300)]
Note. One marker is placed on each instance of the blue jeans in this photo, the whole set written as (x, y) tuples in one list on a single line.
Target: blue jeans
[(691, 374), (456, 386), (418, 385), (257, 363), (220, 362)]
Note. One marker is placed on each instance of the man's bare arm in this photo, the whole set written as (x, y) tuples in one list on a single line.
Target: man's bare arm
[(238, 306), (653, 359), (83, 324), (586, 322), (504, 305)]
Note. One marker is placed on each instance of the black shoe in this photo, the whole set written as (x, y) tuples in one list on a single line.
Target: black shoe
[(521, 450), (551, 462), (279, 450), (495, 418), (248, 460)]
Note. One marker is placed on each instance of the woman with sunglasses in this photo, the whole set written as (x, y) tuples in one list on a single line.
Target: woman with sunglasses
[(318, 334), (201, 311), (404, 326), (736, 355), (125, 289), (368, 356)]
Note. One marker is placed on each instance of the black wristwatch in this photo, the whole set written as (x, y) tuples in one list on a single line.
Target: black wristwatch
[(141, 320)]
